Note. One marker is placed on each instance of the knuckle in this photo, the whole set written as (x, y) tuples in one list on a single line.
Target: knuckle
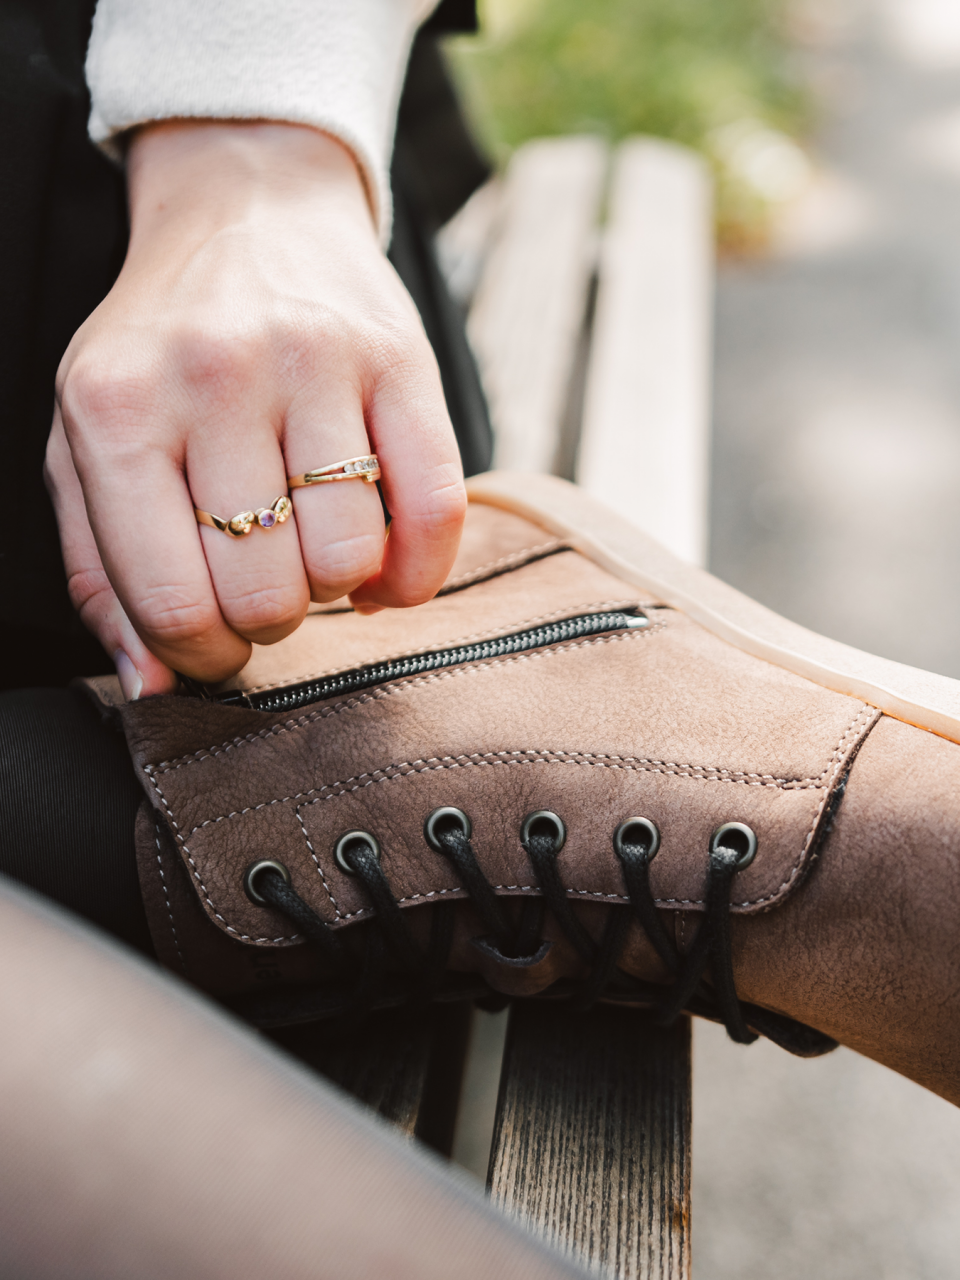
[(316, 345), (172, 615), (94, 392), (264, 609), (218, 362), (444, 508), (400, 352), (409, 595), (88, 587), (347, 561)]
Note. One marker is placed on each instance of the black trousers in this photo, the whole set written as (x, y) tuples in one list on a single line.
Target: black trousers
[(68, 795)]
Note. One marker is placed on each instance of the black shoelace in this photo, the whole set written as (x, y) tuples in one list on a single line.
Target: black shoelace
[(519, 942)]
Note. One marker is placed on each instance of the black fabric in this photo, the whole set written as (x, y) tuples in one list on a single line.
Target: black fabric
[(68, 800), (436, 168), (443, 165), (413, 255), (453, 15), (63, 235)]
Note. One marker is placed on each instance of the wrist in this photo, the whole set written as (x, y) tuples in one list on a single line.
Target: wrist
[(214, 174)]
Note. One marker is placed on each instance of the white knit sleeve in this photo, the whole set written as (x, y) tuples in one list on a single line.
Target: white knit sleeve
[(335, 64)]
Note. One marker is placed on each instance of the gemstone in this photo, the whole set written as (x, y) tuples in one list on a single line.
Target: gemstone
[(349, 468), (267, 518)]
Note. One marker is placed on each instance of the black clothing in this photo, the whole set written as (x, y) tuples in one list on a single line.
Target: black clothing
[(68, 799), (63, 235), (68, 795), (63, 230)]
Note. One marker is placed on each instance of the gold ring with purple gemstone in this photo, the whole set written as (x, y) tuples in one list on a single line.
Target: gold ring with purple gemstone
[(366, 468), (265, 517)]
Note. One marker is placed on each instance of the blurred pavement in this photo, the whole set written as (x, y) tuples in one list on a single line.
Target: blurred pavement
[(836, 501)]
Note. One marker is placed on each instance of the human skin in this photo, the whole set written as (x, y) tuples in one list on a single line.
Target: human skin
[(255, 331), (143, 1133)]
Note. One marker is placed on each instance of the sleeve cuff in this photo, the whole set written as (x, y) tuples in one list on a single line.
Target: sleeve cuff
[(335, 64)]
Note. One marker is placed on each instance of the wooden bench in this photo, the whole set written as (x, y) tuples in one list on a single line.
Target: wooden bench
[(594, 347)]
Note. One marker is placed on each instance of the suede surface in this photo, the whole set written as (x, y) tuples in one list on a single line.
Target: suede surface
[(666, 721)]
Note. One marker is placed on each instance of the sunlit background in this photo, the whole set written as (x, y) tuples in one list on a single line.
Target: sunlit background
[(722, 78), (833, 130)]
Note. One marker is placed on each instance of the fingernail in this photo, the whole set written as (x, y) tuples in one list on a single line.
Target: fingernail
[(367, 610), (131, 681)]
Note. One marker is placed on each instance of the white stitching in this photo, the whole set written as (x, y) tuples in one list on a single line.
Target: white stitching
[(866, 714), (313, 854), (519, 888), (631, 764), (243, 937), (389, 690), (517, 558), (598, 606), (167, 896), (696, 773)]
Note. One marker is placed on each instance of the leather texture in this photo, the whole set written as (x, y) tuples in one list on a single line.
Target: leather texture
[(846, 920), (667, 722), (869, 952)]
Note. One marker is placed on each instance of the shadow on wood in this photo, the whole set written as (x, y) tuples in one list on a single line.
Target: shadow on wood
[(592, 1140), (406, 1064)]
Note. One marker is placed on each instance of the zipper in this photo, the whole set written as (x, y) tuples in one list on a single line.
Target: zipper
[(344, 683)]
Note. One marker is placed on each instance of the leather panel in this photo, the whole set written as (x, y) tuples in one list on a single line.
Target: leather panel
[(668, 722), (559, 586)]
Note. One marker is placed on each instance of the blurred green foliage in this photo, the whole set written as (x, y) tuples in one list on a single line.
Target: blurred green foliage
[(690, 70)]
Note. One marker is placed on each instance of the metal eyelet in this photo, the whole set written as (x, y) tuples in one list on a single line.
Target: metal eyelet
[(453, 815), (548, 817), (648, 832), (739, 838), (250, 876), (339, 855)]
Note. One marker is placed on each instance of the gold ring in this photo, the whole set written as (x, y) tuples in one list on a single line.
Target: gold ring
[(265, 517), (365, 468)]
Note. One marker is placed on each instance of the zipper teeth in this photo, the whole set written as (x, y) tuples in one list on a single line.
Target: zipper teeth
[(344, 683)]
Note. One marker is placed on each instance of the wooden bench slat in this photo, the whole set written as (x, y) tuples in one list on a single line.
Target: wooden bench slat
[(592, 1134), (592, 1140), (644, 443), (528, 310), (405, 1064)]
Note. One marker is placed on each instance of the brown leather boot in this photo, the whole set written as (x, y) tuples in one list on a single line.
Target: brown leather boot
[(584, 771)]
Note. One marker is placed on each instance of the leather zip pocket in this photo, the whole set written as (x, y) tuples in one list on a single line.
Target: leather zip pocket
[(343, 683)]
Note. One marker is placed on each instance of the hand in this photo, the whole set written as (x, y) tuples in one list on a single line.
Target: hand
[(256, 331)]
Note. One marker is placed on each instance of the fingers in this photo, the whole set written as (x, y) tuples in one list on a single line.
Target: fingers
[(259, 579), (422, 484), (153, 584), (340, 525), (141, 516), (141, 674)]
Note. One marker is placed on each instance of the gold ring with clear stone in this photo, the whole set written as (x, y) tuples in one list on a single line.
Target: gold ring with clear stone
[(366, 468), (265, 517)]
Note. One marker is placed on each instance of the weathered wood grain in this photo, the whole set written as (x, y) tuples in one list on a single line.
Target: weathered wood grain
[(592, 1140), (406, 1064), (644, 442), (529, 307)]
